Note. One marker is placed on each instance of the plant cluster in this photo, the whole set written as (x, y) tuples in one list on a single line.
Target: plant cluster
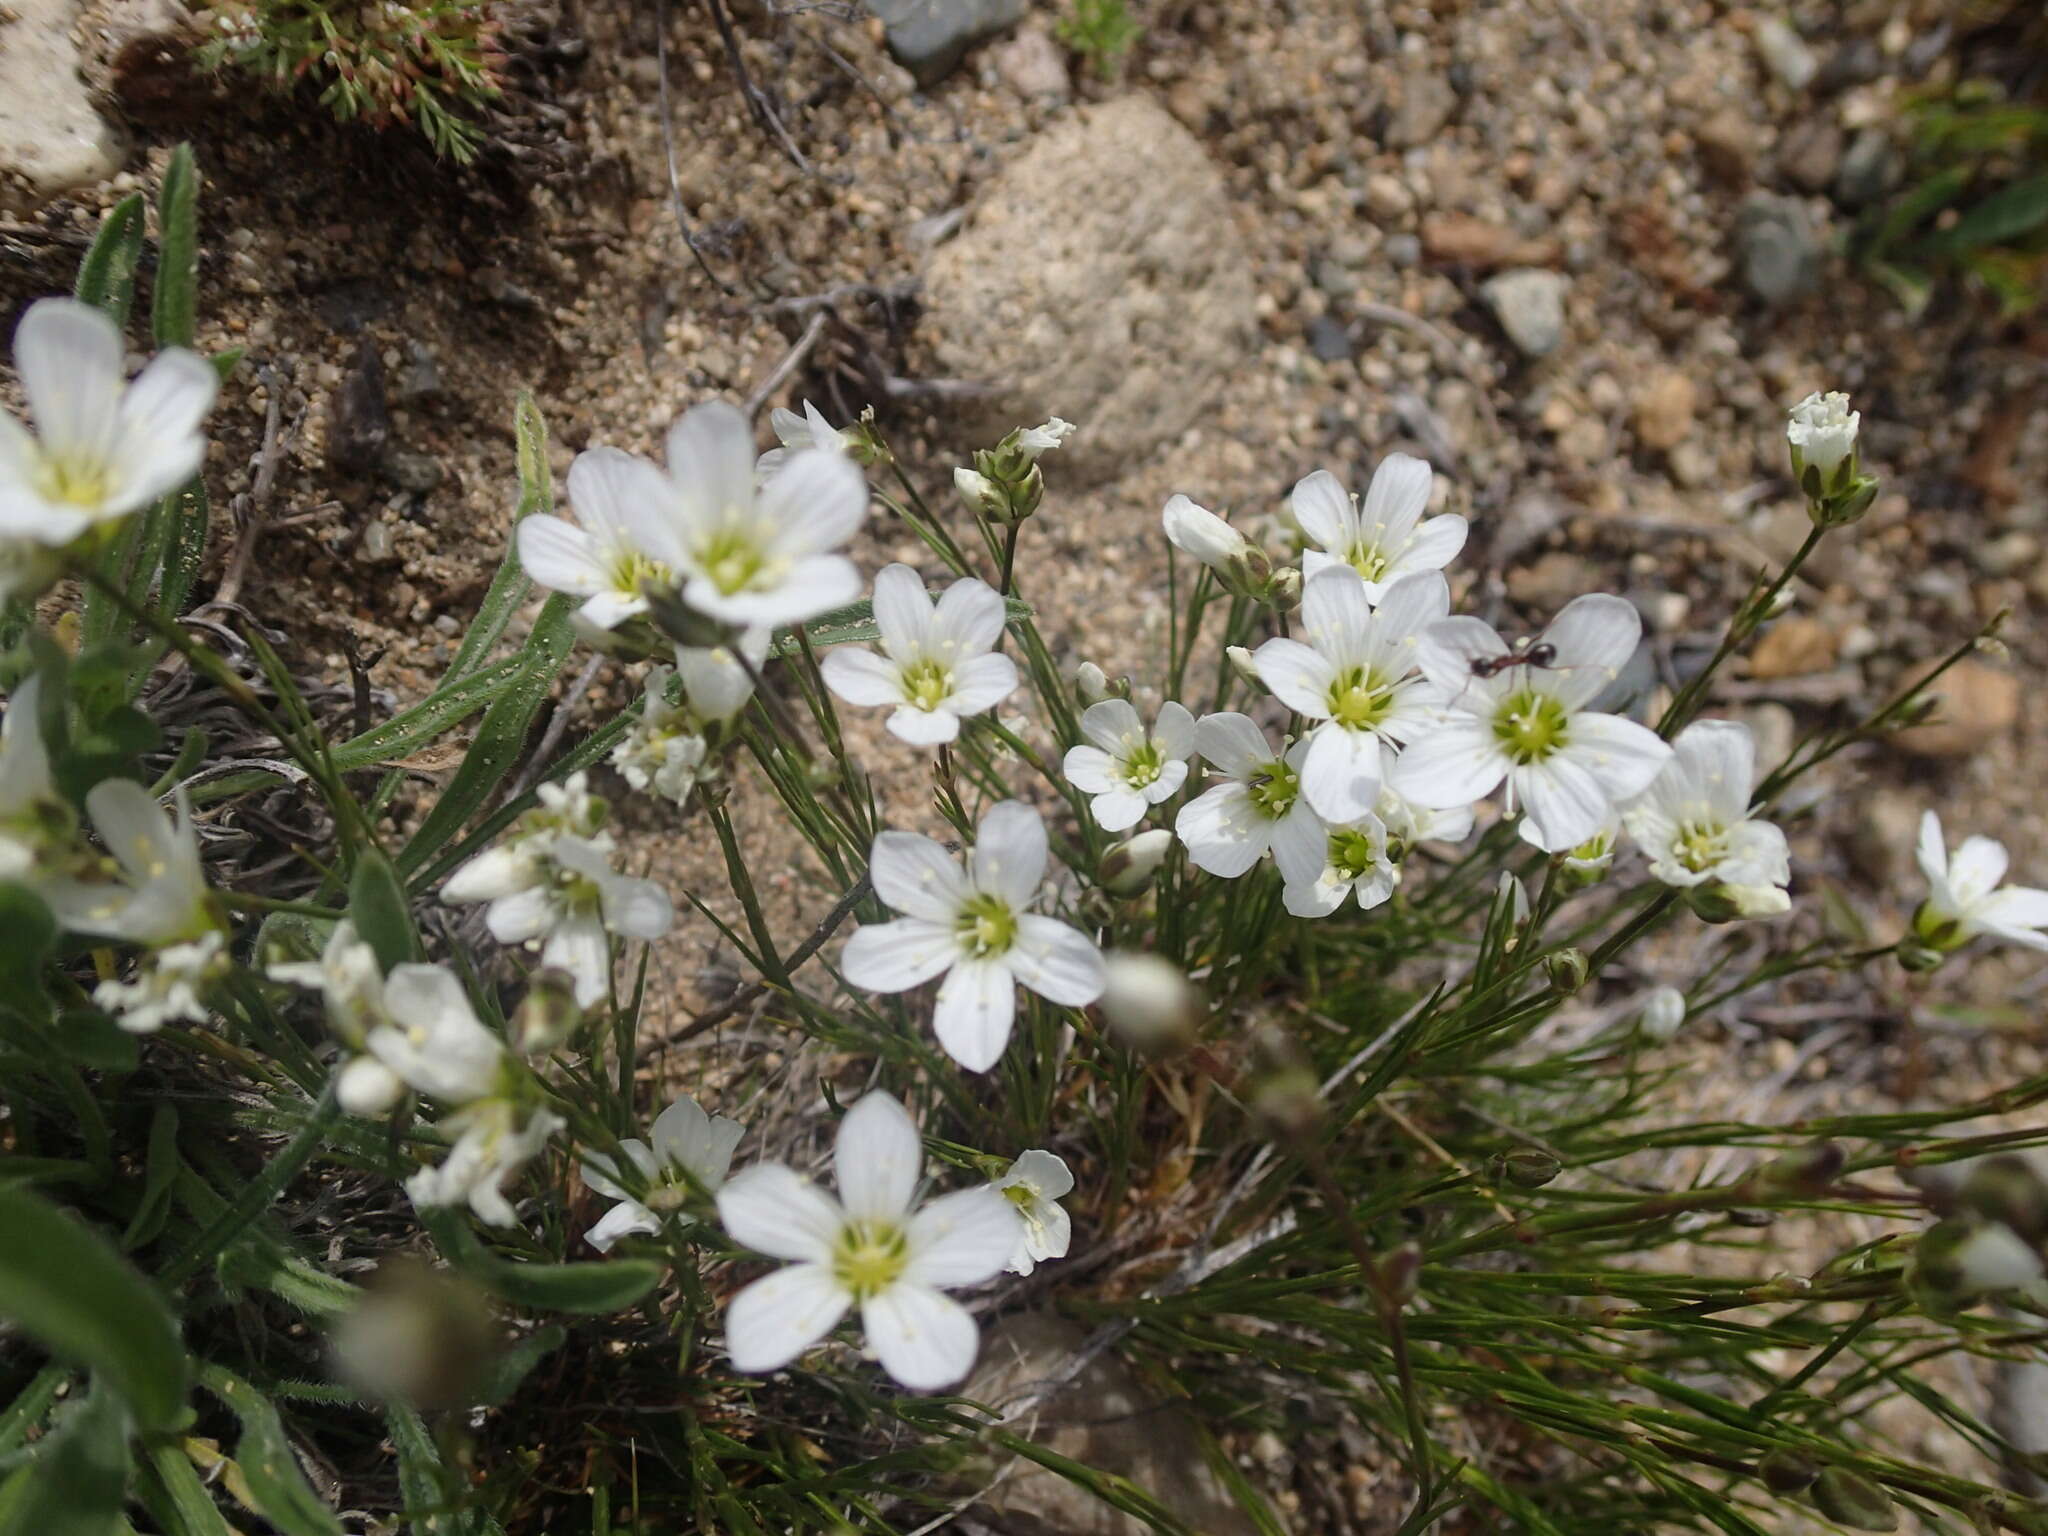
[(1235, 1008), (1101, 32)]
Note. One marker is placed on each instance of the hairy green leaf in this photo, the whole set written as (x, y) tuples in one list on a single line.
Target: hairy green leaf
[(78, 1480), (269, 1467), (174, 307), (106, 278)]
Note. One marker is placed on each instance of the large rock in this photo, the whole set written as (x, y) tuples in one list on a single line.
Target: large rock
[(930, 37), (51, 139), (1100, 278)]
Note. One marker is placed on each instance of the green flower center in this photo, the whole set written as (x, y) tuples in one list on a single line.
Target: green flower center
[(987, 926), (77, 479), (632, 570), (1701, 845), (576, 895), (1367, 560), (869, 1257), (1274, 787), (1530, 725), (1018, 1195), (732, 560), (1351, 853), (1142, 765), (927, 684), (1359, 700)]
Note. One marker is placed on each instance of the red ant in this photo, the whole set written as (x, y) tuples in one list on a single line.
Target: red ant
[(1542, 654)]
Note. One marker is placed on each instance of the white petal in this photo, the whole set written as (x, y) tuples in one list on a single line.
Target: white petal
[(1594, 637), (1434, 545), (1009, 852), (1057, 962), (894, 957), (638, 909), (1088, 769), (1931, 853), (969, 619), (1118, 809), (1232, 743), (1113, 725), (1300, 677), (1396, 499), (157, 446), (522, 915), (917, 876), (1407, 607), (2014, 914), (976, 1006), (1300, 844), (1973, 873), (68, 355), (773, 1209), (903, 612), (1324, 509), (494, 873), (924, 727), (1452, 766), (877, 1158), (816, 501), (1625, 757), (711, 460), (1449, 647), (779, 1316), (622, 1220), (583, 949), (962, 1239), (561, 556), (1341, 774), (1174, 731), (1563, 799), (1316, 898), (980, 683), (925, 1340), (1721, 754), (1224, 834), (861, 677), (1336, 615), (1046, 1172)]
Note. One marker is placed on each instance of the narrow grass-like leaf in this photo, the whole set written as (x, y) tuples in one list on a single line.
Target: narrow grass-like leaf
[(509, 584), (66, 1288), (182, 1505), (174, 303), (106, 278), (278, 1486), (189, 516), (159, 1179), (2006, 214), (377, 905), (427, 721), (609, 1286), (78, 1480)]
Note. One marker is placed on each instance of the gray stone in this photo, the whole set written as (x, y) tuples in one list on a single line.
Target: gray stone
[(1869, 170), (420, 378), (1776, 249), (1099, 277), (931, 37), (358, 419), (1034, 66), (415, 472), (1104, 1419), (1403, 250), (1329, 339), (1529, 303), (1785, 53), (1427, 102), (51, 139), (1810, 153)]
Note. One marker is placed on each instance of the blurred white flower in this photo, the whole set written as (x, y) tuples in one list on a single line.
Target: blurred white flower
[(688, 1145), (1822, 431), (1385, 539), (161, 898), (1566, 767), (1259, 808), (1355, 865), (348, 979), (794, 432), (1408, 823), (166, 988), (434, 1040), (1035, 1185), (1149, 1001), (972, 926), (1129, 866), (873, 1248), (625, 511), (1693, 821), (102, 448), (1589, 859), (494, 1139), (1126, 768), (1357, 677), (365, 1086), (1661, 1012), (1994, 1258), (32, 815), (938, 664), (1965, 896)]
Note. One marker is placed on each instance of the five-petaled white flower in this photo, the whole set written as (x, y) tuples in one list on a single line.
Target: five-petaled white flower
[(166, 988), (1822, 431), (434, 1041), (1126, 768), (161, 898), (625, 510), (1408, 823), (1693, 821), (1259, 808), (1384, 539), (494, 1139), (938, 663), (797, 432), (692, 1150), (1355, 865), (101, 448), (1356, 676), (872, 1248), (552, 884), (1035, 1184), (1590, 857), (1965, 897), (973, 927), (1566, 766)]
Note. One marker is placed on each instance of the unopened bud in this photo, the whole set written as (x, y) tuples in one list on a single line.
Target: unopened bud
[(1525, 1168), (1917, 957), (1780, 604), (1854, 1501), (418, 1335), (1150, 1003), (1567, 970), (1129, 867), (1785, 1471), (2007, 1189), (983, 496), (1243, 665), (1091, 683), (1717, 903), (1805, 1169), (367, 1087), (1662, 1013), (1284, 589), (548, 1015)]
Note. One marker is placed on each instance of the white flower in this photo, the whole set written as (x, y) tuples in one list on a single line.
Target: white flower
[(1036, 440), (30, 808), (435, 1042), (1385, 539), (1661, 1012), (794, 432), (972, 927), (552, 885), (1357, 676), (494, 1140), (1035, 1185), (1408, 823), (349, 981), (166, 988), (1822, 431), (692, 1150), (1993, 1257), (162, 897), (1965, 898), (1125, 767), (1231, 826), (1589, 858), (1201, 533), (1693, 821), (872, 1248), (666, 750), (1355, 864), (102, 448), (1091, 683), (365, 1086), (1149, 1001), (938, 663), (625, 508), (1565, 766)]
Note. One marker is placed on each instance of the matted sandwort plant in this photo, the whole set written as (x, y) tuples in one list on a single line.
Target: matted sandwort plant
[(1280, 999)]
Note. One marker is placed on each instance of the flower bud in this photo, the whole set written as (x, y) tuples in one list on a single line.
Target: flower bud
[(1786, 1471), (1284, 590), (1662, 1012), (1032, 441), (1822, 433), (1917, 957), (1128, 868), (1525, 1168), (1854, 1501), (1781, 603), (1243, 665), (1199, 532), (1994, 1258), (1150, 1003), (367, 1087), (983, 496), (1567, 970), (548, 1015), (1719, 903), (1091, 683), (418, 1335), (1807, 1170)]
